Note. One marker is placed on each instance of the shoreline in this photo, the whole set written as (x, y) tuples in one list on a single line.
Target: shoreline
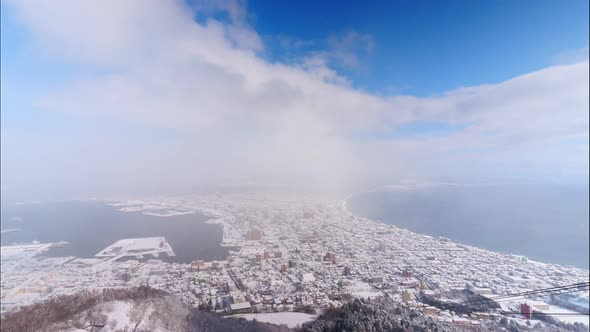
[(345, 206)]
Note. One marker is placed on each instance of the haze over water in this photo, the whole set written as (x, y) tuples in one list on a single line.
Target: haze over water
[(545, 223)]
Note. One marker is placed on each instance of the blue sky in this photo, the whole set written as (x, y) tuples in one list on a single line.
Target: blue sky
[(329, 91), (429, 47)]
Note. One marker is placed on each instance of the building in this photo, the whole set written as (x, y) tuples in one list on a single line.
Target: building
[(406, 296), (284, 268), (461, 321), (520, 258), (197, 265), (382, 246), (346, 271), (254, 235), (376, 279), (526, 310), (215, 265), (482, 315), (541, 306), (407, 274), (307, 277), (330, 257), (482, 291), (240, 308), (430, 311), (538, 305)]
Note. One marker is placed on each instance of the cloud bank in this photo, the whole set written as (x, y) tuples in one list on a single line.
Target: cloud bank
[(165, 101)]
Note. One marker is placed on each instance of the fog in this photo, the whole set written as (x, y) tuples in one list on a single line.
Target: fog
[(155, 101)]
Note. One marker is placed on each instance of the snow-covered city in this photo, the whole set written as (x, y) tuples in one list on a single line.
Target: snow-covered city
[(291, 258)]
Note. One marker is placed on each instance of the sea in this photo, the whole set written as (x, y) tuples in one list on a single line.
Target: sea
[(547, 223), (91, 226)]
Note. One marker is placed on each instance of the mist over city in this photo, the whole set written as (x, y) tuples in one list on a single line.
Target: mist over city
[(293, 165)]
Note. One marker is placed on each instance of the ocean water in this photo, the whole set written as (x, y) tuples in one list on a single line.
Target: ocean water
[(90, 226), (545, 223)]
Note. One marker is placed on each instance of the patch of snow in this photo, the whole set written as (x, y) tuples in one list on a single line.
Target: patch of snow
[(291, 319), (564, 317), (119, 315), (362, 289)]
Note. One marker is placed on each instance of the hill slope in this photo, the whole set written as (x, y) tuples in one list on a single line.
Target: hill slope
[(135, 309)]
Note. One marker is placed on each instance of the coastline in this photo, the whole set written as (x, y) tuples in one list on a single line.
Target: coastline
[(345, 206)]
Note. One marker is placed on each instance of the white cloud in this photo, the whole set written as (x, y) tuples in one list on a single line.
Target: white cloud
[(349, 48), (575, 56), (219, 111)]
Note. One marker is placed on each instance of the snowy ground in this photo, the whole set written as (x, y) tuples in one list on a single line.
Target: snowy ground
[(564, 317), (137, 247), (168, 213), (562, 312), (118, 316), (291, 319), (29, 250), (10, 230), (361, 289)]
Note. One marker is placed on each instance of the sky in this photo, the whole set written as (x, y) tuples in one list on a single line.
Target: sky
[(111, 97)]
